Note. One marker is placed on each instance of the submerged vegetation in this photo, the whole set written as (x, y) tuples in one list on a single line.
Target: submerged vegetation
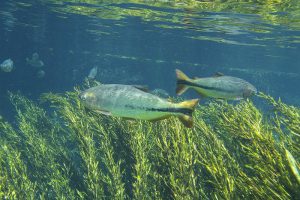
[(68, 152)]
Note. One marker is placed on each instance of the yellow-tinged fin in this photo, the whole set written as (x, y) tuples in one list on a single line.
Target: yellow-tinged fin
[(189, 106), (181, 78)]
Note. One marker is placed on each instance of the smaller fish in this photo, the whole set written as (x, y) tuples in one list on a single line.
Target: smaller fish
[(93, 73), (35, 61), (40, 74), (132, 102), (293, 165), (218, 86), (7, 65)]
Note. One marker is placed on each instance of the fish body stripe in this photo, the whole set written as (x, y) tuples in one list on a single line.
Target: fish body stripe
[(185, 111), (192, 84)]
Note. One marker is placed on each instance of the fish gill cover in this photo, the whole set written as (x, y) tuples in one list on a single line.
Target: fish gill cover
[(232, 152)]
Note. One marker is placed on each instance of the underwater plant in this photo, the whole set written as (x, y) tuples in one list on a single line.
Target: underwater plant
[(58, 149)]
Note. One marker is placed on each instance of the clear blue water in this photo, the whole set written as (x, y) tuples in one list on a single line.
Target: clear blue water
[(143, 43)]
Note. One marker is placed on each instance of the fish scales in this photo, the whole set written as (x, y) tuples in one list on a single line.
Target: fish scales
[(130, 102), (226, 87)]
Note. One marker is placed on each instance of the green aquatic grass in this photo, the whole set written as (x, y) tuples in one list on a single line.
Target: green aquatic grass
[(232, 152)]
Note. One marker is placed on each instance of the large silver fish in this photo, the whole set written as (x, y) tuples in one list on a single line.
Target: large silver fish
[(219, 86), (131, 102)]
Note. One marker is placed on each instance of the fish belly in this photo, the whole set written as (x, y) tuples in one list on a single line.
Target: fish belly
[(139, 114), (218, 94)]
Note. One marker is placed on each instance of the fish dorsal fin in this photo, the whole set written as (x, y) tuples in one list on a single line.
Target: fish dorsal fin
[(218, 74), (143, 88)]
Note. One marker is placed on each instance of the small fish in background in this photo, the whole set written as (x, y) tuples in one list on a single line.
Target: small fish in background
[(218, 86), (130, 102), (7, 65), (40, 74), (93, 73), (35, 61)]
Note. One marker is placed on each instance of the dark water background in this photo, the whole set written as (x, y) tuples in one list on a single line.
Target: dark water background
[(143, 44)]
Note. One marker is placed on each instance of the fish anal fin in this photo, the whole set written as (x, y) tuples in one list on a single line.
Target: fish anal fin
[(186, 120), (218, 74)]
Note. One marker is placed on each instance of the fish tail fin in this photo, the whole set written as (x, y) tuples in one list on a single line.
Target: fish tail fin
[(188, 108), (181, 80)]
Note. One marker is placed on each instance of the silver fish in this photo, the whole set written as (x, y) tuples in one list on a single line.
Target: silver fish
[(7, 65), (131, 102), (219, 86), (93, 73), (35, 61)]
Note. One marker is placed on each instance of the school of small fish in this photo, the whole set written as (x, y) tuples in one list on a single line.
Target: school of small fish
[(134, 102), (35, 62)]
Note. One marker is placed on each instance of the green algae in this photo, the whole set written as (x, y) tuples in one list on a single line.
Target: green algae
[(232, 152)]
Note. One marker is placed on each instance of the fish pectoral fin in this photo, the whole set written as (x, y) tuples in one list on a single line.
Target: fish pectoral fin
[(186, 120), (218, 74)]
